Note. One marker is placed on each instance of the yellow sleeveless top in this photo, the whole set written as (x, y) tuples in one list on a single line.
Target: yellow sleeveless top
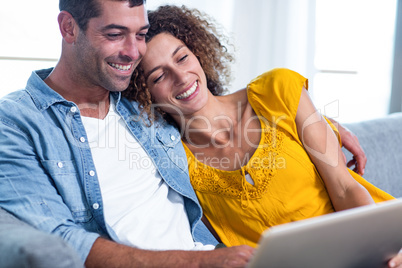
[(287, 186)]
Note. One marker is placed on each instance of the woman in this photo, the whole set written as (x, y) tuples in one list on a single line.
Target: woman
[(259, 157)]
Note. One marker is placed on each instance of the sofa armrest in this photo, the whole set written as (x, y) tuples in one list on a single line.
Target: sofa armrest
[(24, 246), (381, 140)]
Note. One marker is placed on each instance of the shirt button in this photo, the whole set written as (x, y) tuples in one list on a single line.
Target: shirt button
[(95, 206), (60, 165), (172, 137), (73, 109), (92, 173), (82, 139)]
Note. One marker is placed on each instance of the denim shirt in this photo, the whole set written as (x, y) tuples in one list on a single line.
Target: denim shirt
[(47, 174)]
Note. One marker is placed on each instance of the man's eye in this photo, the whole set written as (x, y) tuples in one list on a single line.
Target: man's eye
[(141, 35), (113, 35)]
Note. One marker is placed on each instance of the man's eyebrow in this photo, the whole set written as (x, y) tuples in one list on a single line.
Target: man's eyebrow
[(114, 26), (157, 67), (145, 27), (121, 27)]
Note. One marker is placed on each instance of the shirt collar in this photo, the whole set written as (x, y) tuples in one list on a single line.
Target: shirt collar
[(44, 96)]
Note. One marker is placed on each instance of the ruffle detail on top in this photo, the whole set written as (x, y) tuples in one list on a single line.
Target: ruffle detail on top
[(262, 167)]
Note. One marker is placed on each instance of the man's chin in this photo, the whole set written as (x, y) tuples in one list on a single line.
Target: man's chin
[(120, 86)]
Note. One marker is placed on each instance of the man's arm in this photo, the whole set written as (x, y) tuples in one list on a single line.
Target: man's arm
[(40, 191), (351, 143), (105, 253)]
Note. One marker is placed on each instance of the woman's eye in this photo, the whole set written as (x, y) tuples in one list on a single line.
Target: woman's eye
[(183, 58), (159, 78)]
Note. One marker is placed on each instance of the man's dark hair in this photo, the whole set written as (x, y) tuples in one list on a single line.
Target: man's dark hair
[(84, 10)]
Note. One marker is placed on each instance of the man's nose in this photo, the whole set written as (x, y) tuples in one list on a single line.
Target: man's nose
[(131, 49)]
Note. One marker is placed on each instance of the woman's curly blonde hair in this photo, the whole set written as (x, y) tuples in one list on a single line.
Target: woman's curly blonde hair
[(197, 31)]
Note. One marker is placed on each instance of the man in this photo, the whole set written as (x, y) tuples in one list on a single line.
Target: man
[(57, 175), (76, 162)]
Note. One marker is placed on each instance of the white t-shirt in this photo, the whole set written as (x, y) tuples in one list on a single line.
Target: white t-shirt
[(139, 206)]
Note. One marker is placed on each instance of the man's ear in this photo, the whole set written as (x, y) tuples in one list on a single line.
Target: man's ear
[(67, 26)]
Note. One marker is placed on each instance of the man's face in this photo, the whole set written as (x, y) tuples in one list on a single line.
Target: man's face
[(113, 45)]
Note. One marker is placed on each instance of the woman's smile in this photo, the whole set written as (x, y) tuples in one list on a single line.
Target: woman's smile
[(188, 94)]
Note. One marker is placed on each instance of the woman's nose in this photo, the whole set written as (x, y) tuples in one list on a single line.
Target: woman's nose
[(180, 76)]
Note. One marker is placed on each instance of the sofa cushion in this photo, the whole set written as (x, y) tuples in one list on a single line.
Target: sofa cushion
[(24, 246), (381, 140)]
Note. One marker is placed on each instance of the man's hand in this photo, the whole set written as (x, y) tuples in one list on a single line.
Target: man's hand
[(351, 143), (237, 256)]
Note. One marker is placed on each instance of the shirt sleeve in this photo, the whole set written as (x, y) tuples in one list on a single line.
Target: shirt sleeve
[(29, 192), (275, 95)]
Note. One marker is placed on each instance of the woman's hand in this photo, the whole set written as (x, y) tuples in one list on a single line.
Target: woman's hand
[(396, 262)]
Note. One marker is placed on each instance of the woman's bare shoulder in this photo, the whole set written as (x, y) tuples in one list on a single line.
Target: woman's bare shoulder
[(239, 95)]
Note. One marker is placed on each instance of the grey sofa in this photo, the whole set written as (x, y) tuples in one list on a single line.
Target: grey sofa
[(381, 140), (23, 246)]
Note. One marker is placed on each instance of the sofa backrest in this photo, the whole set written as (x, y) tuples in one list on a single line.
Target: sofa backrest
[(381, 140)]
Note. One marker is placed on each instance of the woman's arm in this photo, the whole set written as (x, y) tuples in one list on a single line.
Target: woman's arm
[(323, 148)]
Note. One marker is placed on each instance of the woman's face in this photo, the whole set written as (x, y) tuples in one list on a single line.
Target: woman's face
[(174, 76)]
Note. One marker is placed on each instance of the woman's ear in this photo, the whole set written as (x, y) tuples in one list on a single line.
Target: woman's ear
[(67, 26)]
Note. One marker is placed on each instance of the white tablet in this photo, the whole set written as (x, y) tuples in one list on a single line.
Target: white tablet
[(360, 237)]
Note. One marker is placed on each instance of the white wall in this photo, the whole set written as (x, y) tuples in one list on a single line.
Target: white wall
[(28, 31)]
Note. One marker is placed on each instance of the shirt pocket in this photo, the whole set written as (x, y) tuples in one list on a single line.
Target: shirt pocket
[(172, 146), (68, 184)]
